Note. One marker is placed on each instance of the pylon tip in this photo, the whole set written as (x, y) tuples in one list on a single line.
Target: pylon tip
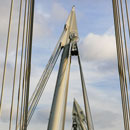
[(73, 8)]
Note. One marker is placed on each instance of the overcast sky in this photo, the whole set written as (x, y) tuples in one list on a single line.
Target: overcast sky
[(98, 56)]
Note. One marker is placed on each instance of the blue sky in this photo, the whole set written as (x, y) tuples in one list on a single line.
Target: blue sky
[(98, 56)]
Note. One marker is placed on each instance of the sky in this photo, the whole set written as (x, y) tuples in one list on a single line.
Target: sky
[(97, 49)]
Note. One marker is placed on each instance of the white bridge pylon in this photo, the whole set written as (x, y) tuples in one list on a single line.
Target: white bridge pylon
[(68, 42), (78, 116), (57, 115)]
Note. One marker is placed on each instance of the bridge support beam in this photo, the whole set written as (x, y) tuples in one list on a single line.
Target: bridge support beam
[(58, 109), (86, 101)]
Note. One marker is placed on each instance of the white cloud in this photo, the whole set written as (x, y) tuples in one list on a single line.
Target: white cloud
[(98, 47)]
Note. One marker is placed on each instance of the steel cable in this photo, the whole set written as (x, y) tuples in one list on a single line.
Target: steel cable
[(24, 70), (121, 67), (28, 68), (35, 102), (6, 54), (49, 68), (46, 68), (85, 97), (15, 68), (118, 53), (42, 78), (127, 14), (20, 75), (126, 50), (123, 64)]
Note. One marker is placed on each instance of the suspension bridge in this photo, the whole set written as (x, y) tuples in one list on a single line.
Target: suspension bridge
[(66, 46)]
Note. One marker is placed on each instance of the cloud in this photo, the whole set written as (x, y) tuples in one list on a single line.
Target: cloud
[(98, 47), (106, 118), (99, 53), (105, 107)]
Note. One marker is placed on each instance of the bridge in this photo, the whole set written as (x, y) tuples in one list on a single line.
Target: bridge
[(66, 47)]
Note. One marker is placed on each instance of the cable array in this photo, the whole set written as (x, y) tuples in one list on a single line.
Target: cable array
[(122, 56), (25, 51)]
